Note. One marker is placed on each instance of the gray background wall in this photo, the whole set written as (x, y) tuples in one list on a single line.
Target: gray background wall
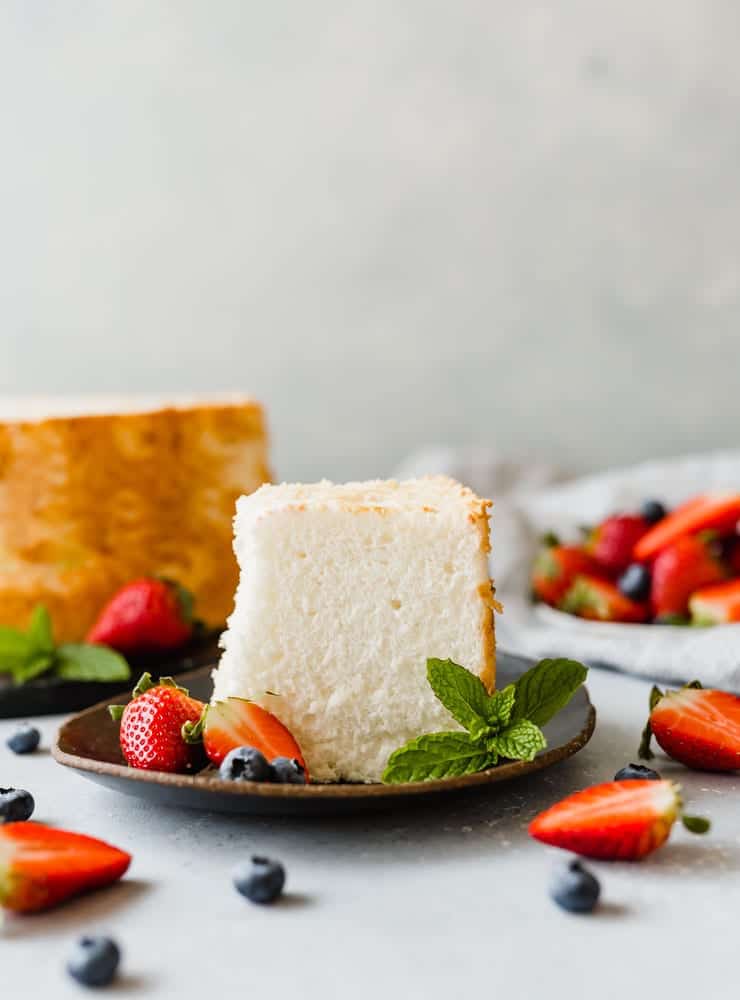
[(396, 221)]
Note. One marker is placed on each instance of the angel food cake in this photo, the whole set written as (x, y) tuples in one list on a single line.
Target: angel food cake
[(94, 493), (345, 592)]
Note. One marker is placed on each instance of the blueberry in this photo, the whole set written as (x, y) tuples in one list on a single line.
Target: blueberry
[(635, 582), (636, 772), (575, 889), (24, 740), (245, 764), (260, 879), (16, 805), (288, 772), (652, 511), (94, 961)]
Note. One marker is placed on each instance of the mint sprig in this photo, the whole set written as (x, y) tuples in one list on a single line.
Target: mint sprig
[(505, 724), (33, 653)]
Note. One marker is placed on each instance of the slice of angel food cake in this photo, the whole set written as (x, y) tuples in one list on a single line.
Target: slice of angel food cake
[(345, 592)]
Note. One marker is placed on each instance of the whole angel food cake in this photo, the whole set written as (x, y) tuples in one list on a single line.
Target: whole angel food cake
[(97, 492), (345, 592)]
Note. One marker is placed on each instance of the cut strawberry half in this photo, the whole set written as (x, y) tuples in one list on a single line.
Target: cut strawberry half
[(41, 866), (711, 511), (697, 727), (600, 600), (717, 605), (555, 568), (237, 722), (618, 820)]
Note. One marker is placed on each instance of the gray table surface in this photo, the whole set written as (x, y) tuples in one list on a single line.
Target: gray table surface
[(440, 901)]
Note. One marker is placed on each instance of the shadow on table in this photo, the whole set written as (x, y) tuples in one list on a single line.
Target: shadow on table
[(91, 910)]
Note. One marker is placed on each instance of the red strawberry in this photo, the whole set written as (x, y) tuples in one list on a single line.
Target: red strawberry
[(698, 727), (600, 600), (555, 568), (152, 726), (41, 866), (619, 820), (717, 605), (147, 614), (711, 511), (680, 569), (611, 542), (237, 722)]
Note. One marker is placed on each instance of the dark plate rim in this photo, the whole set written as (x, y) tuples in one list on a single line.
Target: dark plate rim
[(325, 792)]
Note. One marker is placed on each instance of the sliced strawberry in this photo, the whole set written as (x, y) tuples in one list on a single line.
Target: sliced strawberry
[(147, 614), (717, 605), (698, 727), (679, 569), (152, 726), (619, 820), (711, 511), (41, 866), (600, 600), (555, 568), (611, 542), (236, 722)]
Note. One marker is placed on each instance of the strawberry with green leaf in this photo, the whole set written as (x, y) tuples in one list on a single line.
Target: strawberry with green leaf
[(555, 568), (503, 725), (33, 653)]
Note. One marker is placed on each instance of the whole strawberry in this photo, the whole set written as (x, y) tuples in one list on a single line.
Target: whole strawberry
[(601, 600), (611, 542), (555, 568), (144, 615), (680, 569), (698, 727), (152, 724)]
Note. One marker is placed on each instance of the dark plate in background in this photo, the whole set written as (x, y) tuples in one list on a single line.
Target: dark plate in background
[(89, 743), (51, 696)]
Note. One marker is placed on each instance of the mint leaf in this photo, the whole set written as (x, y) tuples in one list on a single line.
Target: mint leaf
[(437, 755), (85, 662), (501, 706), (15, 649), (462, 693), (39, 631), (546, 688), (522, 740), (33, 667)]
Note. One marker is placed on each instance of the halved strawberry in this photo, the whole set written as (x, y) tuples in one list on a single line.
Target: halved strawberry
[(611, 542), (600, 600), (152, 726), (710, 511), (555, 568), (41, 866), (716, 605), (696, 726), (679, 569), (237, 722), (618, 820)]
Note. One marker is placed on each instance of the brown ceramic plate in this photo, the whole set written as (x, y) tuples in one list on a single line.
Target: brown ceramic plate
[(52, 696), (89, 743)]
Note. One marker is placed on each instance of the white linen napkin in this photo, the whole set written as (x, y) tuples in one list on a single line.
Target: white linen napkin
[(524, 511)]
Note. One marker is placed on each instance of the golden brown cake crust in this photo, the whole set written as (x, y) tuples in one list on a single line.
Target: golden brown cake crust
[(88, 503)]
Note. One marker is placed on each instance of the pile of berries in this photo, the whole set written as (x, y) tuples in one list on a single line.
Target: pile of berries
[(680, 567)]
